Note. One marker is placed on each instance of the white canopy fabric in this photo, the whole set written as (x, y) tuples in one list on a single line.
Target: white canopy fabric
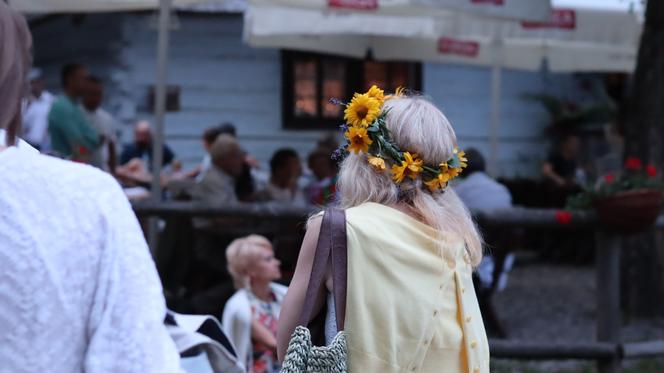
[(575, 39), (521, 9), (85, 6), (580, 35)]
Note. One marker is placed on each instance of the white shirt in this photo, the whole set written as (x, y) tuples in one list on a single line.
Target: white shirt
[(104, 123), (480, 192), (78, 288), (35, 119)]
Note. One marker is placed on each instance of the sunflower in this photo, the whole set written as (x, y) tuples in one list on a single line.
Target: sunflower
[(439, 182), (358, 139), (462, 157), (451, 172), (410, 166), (377, 163), (376, 93), (362, 110), (399, 172), (414, 165)]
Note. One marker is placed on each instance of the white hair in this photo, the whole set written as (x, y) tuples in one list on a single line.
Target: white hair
[(416, 126)]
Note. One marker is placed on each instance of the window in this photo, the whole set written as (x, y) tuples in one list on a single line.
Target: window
[(311, 80)]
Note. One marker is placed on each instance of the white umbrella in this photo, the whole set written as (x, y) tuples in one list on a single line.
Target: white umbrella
[(575, 39), (521, 9), (78, 6), (580, 36)]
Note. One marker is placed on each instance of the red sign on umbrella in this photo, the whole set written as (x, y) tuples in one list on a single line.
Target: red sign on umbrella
[(354, 4), (560, 18), (459, 47)]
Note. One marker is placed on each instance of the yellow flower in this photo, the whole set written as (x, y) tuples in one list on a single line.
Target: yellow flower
[(438, 182), (398, 172), (410, 166), (376, 93), (398, 93), (462, 157), (359, 140), (377, 163), (362, 110), (452, 172)]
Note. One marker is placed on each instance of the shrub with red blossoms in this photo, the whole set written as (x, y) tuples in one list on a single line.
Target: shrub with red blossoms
[(633, 177), (633, 164)]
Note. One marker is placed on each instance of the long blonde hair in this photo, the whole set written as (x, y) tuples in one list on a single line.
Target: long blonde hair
[(417, 126), (15, 61)]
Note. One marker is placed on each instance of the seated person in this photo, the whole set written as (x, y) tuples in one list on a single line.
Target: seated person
[(141, 148), (283, 185), (250, 316), (561, 167), (322, 189), (245, 187), (218, 184), (479, 191)]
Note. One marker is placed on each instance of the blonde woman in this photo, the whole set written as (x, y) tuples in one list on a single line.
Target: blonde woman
[(411, 243), (250, 316)]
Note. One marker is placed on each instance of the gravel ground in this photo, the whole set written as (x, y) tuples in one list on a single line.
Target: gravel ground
[(556, 303)]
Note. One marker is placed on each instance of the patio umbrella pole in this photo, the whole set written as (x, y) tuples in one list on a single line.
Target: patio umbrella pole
[(160, 108), (496, 82)]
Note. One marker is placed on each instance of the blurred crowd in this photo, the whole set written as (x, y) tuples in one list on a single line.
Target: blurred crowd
[(74, 126)]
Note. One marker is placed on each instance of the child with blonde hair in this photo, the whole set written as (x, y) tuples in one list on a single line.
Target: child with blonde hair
[(250, 316)]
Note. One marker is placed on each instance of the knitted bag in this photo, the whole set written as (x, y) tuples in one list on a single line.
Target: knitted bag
[(304, 353)]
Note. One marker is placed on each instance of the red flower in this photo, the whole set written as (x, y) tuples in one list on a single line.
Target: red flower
[(609, 178), (633, 163), (563, 217), (651, 170)]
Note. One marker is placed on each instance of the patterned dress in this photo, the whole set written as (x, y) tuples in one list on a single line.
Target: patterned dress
[(267, 313)]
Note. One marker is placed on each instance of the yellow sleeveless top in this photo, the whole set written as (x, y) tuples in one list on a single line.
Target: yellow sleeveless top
[(410, 307)]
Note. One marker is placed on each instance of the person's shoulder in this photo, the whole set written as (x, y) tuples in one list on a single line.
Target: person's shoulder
[(59, 103), (48, 97), (65, 176), (279, 289), (237, 304)]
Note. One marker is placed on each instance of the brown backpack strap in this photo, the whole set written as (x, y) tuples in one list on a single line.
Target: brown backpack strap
[(339, 263), (331, 247)]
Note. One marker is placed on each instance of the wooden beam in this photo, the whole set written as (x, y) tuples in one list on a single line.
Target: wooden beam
[(548, 351), (644, 349)]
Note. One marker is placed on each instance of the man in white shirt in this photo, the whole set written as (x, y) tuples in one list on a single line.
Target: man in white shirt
[(477, 189), (35, 112), (104, 157)]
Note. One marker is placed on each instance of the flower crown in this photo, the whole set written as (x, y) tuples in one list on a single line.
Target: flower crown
[(365, 131)]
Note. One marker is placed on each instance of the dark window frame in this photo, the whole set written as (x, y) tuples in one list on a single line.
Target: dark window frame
[(353, 83)]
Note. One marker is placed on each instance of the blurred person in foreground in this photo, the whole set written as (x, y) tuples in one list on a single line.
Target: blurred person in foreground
[(283, 185), (80, 291), (411, 246), (251, 315), (105, 156), (72, 136), (35, 113)]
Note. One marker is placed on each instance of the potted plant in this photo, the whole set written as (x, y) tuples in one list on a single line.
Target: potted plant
[(626, 202)]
